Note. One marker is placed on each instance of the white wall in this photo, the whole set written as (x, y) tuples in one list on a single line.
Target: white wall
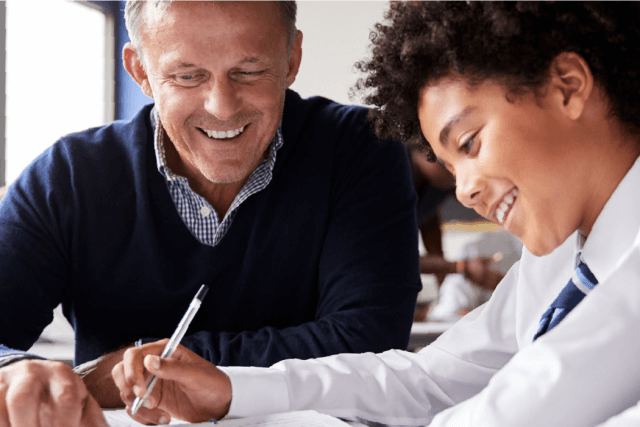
[(335, 37)]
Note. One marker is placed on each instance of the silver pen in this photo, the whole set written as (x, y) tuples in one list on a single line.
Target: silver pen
[(173, 342)]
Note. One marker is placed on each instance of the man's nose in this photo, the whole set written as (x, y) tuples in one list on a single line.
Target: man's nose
[(223, 99), (469, 187)]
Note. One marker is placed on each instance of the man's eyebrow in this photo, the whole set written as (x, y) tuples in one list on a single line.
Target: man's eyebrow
[(247, 60), (183, 65), (446, 130), (252, 60)]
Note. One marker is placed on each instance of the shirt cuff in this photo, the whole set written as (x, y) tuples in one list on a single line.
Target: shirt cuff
[(256, 391), (7, 359)]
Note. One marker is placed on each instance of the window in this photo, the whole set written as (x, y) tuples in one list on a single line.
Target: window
[(59, 75)]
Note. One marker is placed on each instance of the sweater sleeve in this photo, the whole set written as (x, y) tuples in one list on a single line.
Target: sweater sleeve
[(33, 268), (368, 276)]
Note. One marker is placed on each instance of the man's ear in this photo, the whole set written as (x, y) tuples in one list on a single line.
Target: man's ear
[(295, 59), (133, 65), (571, 83)]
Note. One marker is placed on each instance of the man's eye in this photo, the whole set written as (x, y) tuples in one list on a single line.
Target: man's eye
[(186, 77), (249, 73)]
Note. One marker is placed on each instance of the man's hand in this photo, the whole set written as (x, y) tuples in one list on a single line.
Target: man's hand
[(43, 393), (188, 388), (97, 377)]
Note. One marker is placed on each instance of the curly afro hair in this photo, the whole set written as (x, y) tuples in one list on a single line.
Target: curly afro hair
[(513, 43)]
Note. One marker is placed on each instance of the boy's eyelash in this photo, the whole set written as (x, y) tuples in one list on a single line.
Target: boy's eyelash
[(467, 145)]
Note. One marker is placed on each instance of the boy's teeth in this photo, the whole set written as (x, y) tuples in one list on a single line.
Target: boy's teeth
[(505, 204)]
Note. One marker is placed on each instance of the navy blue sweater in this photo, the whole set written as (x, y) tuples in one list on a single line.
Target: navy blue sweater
[(322, 261)]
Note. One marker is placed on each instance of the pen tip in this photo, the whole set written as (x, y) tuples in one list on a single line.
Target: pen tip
[(202, 292)]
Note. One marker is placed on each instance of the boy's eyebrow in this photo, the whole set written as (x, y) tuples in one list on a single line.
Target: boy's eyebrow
[(446, 130)]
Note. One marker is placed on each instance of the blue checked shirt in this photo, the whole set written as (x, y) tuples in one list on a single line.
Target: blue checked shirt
[(198, 215)]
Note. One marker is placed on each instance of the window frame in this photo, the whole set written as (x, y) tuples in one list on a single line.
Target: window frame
[(3, 103), (109, 9)]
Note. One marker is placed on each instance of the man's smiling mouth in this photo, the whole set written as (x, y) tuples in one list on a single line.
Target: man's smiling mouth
[(223, 134)]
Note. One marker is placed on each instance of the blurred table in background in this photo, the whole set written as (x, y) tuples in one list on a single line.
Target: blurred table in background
[(424, 333), (57, 341)]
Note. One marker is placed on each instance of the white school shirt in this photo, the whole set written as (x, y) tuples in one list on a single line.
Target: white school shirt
[(485, 370)]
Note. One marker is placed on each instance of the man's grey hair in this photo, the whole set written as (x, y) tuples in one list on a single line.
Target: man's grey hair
[(134, 17)]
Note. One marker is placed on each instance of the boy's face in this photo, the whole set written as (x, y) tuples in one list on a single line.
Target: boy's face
[(515, 162)]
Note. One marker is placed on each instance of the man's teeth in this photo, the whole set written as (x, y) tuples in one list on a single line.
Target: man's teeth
[(223, 134), (505, 205)]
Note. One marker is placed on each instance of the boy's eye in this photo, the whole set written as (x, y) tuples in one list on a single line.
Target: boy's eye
[(466, 147)]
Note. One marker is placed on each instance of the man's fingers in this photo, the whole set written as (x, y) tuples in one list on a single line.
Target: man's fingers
[(4, 415), (46, 394), (66, 400), (23, 404), (92, 415)]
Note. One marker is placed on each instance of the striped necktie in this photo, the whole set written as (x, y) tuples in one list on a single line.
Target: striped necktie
[(580, 284)]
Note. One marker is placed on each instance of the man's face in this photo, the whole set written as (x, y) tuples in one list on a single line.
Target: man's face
[(512, 160), (218, 73)]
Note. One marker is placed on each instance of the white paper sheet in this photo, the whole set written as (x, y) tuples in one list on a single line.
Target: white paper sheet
[(120, 418)]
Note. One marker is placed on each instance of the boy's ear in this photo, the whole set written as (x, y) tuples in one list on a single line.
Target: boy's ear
[(133, 65), (572, 83)]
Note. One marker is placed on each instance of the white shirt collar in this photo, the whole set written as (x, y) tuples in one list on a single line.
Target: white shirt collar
[(616, 227)]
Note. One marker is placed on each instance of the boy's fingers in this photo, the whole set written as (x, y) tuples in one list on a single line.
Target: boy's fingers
[(168, 369)]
